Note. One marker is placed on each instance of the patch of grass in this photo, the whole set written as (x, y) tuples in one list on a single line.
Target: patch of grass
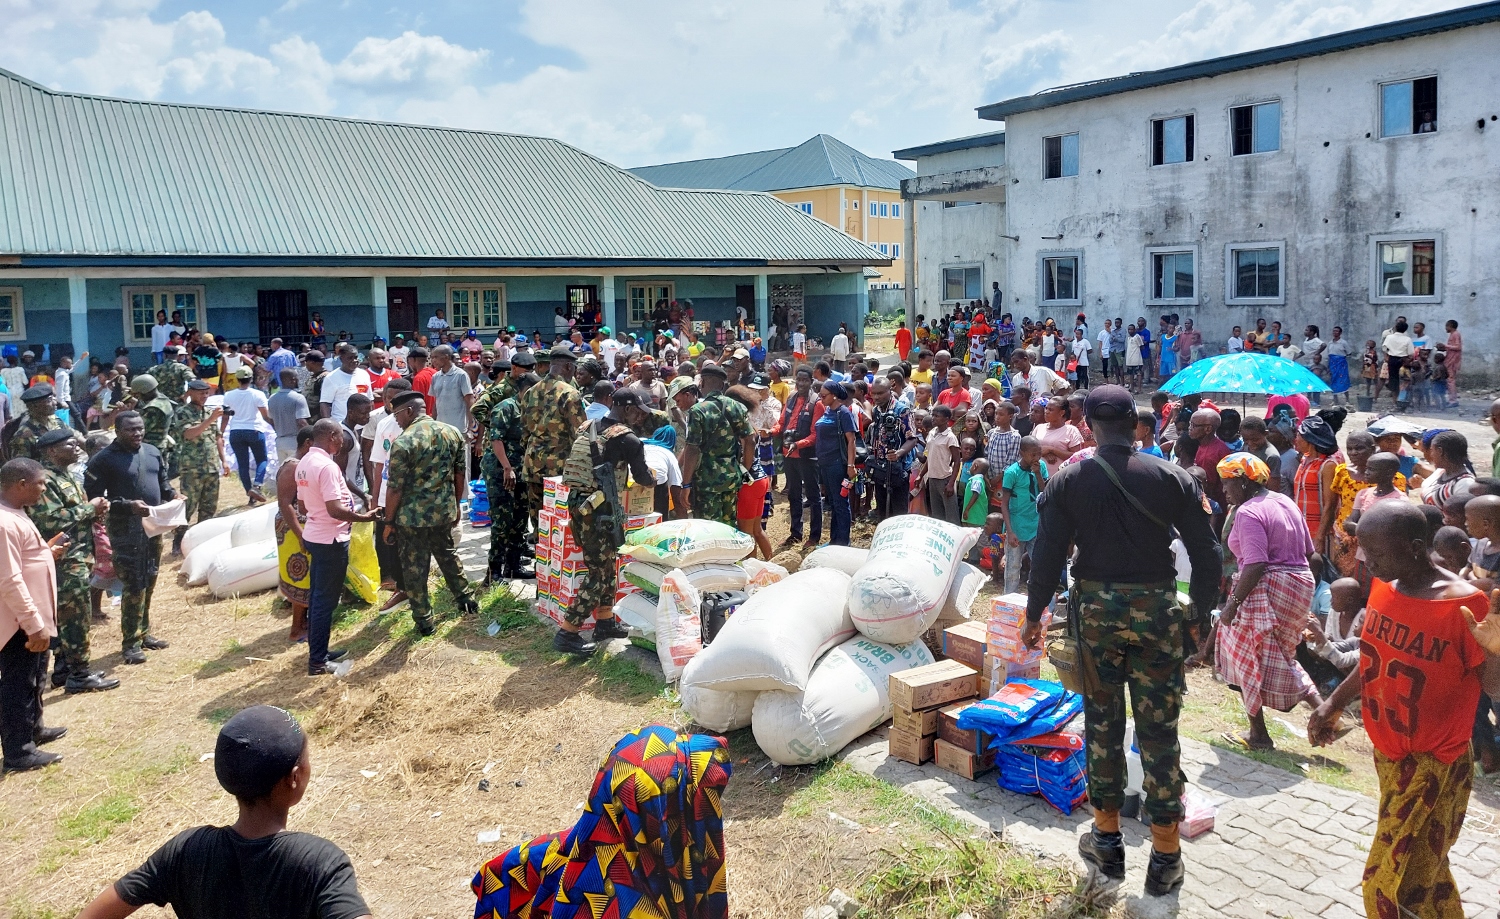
[(120, 803), (505, 609), (621, 672), (832, 781), (24, 909), (94, 822), (233, 646), (218, 716), (981, 877)]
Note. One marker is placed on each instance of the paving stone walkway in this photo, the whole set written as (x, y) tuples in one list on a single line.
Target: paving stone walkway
[(1282, 846)]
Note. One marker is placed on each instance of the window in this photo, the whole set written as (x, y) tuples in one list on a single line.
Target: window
[(960, 283), (1060, 279), (1408, 107), (471, 307), (895, 210), (12, 319), (1256, 128), (1406, 269), (856, 204), (804, 206), (895, 250), (1254, 273), (1060, 156), (959, 203), (1172, 140), (1174, 275), (643, 296), (141, 304), (885, 210)]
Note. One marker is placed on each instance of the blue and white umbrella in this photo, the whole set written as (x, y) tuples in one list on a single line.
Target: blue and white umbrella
[(1245, 372)]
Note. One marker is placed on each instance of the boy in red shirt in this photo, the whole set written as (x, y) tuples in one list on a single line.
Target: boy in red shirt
[(1421, 653)]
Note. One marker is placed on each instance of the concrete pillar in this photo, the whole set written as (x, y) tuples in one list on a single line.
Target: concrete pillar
[(909, 246), (862, 308), (607, 303), (763, 306), (381, 307), (78, 315)]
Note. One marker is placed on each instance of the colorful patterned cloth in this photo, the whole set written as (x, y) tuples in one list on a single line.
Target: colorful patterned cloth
[(1244, 466), (650, 844), (1422, 806), (1258, 651)]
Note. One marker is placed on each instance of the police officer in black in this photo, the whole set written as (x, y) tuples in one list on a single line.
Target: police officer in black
[(1122, 509)]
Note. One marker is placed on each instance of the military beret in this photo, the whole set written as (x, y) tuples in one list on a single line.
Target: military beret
[(198, 385), (54, 437), (406, 398), (562, 353), (714, 369), (501, 365), (523, 359), (36, 393)]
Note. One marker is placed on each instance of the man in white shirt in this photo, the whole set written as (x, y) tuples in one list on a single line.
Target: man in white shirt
[(1105, 349), (1236, 343), (398, 356), (1081, 346), (451, 391), (1040, 380), (438, 324), (839, 348), (608, 348), (349, 378)]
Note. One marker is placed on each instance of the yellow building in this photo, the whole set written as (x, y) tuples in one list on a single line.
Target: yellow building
[(824, 177)]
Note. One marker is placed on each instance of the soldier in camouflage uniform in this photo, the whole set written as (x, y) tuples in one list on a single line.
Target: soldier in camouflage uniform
[(156, 411), (426, 477), (41, 417), (65, 509), (196, 431), (719, 440), (605, 446), (551, 414), (1128, 619), (492, 395), (507, 500), (171, 375)]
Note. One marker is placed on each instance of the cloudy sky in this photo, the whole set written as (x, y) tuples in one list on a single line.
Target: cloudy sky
[(642, 81)]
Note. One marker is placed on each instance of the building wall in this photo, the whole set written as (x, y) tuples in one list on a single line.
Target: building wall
[(1333, 186), (858, 221), (964, 236)]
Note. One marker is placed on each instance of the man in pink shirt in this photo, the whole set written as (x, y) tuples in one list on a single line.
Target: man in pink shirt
[(330, 511), (28, 617)]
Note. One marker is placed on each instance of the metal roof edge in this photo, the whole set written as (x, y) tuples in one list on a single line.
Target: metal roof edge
[(973, 141), (1447, 20), (283, 261)]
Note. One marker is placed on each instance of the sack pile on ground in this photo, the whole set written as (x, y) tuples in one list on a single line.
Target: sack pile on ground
[(806, 661)]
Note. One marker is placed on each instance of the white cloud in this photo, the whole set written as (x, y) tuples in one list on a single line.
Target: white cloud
[(656, 80)]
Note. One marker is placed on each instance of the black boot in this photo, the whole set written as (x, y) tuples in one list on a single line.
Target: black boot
[(517, 567), (572, 643), (1163, 873), (606, 629), (1105, 852)]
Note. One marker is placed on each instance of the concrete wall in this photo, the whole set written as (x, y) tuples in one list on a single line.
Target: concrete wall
[(957, 237), (835, 206), (1333, 186)]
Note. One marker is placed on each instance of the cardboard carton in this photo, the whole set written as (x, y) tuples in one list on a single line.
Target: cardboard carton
[(933, 685), (912, 748), (965, 643), (957, 760)]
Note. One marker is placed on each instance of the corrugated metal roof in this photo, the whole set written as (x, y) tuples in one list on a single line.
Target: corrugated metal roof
[(1447, 20), (973, 141), (821, 160), (85, 177)]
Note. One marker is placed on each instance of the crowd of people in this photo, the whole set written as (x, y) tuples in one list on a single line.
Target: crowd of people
[(1297, 542), (1411, 367)]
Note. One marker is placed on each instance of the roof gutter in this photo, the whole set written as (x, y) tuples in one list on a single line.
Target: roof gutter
[(397, 262)]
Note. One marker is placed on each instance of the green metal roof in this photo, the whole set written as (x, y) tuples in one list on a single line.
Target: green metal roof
[(821, 160), (90, 180), (1447, 20)]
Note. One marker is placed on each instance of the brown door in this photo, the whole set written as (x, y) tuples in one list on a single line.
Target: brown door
[(283, 315), (401, 306)]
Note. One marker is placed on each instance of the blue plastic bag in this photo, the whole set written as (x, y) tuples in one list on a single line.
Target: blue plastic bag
[(1022, 709), (479, 504), (1060, 776)]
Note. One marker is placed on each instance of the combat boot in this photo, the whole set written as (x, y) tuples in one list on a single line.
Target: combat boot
[(516, 567), (1164, 873), (572, 643), (82, 679), (606, 629), (1105, 852)]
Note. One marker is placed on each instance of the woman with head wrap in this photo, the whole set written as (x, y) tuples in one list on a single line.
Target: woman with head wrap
[(650, 841), (1448, 452), (1312, 487), (1261, 624)]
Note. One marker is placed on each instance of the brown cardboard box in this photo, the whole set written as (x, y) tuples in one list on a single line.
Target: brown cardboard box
[(965, 643), (933, 685), (948, 729), (998, 671), (904, 745), (958, 760), (923, 724), (639, 499)]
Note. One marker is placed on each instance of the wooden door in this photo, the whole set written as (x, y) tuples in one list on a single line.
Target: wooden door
[(283, 315), (401, 309)]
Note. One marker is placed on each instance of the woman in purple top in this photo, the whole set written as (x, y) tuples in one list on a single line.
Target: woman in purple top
[(1261, 624)]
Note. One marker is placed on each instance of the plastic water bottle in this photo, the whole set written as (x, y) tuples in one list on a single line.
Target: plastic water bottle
[(844, 488)]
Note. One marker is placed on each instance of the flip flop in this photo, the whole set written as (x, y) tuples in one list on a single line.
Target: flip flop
[(1239, 742)]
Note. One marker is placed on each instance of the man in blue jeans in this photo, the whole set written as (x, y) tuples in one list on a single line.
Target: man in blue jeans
[(244, 408), (330, 512)]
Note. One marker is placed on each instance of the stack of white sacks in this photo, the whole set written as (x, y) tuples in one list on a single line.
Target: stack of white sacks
[(233, 555), (806, 661)]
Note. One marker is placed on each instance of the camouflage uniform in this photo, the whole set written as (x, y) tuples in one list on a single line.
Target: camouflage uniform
[(654, 419), (551, 414), (423, 461), (507, 507), (199, 462), (157, 415), (23, 442), (1135, 632), (489, 397), (592, 519), (65, 509), (717, 426), (171, 379)]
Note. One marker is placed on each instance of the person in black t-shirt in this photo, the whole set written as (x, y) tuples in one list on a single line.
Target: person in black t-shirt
[(254, 868)]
